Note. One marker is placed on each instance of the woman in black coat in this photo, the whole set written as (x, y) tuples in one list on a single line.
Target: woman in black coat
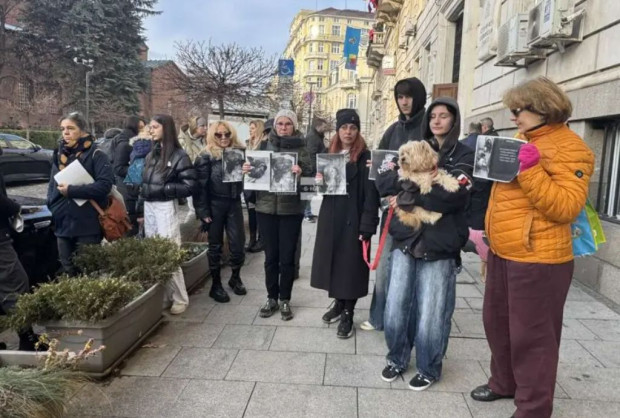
[(338, 265)]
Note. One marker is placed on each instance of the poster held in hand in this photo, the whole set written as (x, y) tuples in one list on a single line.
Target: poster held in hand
[(497, 158), (258, 178), (283, 180), (380, 160), (334, 171), (74, 175), (232, 165)]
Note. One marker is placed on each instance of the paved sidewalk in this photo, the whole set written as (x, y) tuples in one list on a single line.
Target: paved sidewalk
[(222, 360)]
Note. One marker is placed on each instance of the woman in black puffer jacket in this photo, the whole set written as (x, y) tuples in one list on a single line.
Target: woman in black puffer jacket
[(218, 206), (168, 175)]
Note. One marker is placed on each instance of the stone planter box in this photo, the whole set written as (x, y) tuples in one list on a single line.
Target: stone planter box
[(120, 334), (196, 269)]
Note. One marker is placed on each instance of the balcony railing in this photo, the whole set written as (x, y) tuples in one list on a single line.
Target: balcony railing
[(316, 73), (317, 55), (376, 50)]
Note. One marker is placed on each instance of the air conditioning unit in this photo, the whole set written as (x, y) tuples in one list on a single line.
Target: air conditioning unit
[(554, 23), (512, 42)]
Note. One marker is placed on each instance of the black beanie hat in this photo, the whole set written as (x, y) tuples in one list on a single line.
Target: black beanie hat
[(344, 116)]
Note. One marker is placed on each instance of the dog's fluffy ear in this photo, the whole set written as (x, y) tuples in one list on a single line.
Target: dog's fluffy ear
[(433, 143)]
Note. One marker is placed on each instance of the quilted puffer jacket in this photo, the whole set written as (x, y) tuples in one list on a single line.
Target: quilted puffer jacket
[(528, 220)]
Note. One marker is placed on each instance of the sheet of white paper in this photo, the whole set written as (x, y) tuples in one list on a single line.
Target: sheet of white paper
[(74, 175)]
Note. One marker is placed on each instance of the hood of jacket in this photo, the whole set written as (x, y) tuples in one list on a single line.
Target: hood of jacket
[(452, 138), (418, 92), (141, 148)]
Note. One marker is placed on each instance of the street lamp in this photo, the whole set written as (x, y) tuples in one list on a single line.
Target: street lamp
[(90, 64), (310, 100)]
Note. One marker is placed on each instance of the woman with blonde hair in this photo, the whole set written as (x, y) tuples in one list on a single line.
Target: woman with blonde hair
[(218, 206), (530, 265), (257, 128)]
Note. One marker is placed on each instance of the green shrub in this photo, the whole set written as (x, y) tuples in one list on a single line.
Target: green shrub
[(74, 299), (47, 139), (193, 250), (146, 261)]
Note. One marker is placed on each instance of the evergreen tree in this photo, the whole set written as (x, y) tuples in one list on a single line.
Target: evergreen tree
[(58, 35)]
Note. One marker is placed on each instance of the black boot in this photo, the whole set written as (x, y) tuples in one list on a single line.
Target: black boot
[(28, 340), (217, 291), (257, 247), (345, 328), (333, 315), (236, 284)]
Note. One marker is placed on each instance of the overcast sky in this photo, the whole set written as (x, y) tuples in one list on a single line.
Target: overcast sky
[(251, 23)]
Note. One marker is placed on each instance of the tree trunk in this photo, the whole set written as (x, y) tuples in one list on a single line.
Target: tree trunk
[(220, 104)]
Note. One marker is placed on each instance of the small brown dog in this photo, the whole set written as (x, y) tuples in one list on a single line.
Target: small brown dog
[(418, 164)]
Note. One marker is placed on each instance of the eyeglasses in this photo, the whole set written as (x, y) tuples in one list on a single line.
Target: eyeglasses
[(227, 135)]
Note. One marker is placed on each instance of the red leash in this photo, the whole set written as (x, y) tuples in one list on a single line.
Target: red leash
[(366, 244)]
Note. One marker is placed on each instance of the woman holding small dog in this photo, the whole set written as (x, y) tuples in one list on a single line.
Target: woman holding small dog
[(338, 264), (425, 259), (530, 265), (218, 206)]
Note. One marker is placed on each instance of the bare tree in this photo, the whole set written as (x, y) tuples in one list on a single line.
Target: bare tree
[(229, 74), (6, 7)]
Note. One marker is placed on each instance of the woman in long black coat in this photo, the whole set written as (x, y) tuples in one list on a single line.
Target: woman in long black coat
[(338, 265)]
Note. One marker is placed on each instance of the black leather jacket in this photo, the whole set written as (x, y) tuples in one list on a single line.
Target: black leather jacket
[(210, 186), (177, 180)]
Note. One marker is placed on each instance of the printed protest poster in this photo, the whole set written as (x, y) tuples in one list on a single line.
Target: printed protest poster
[(232, 165), (307, 188), (497, 158), (333, 169), (258, 178), (283, 180), (380, 160)]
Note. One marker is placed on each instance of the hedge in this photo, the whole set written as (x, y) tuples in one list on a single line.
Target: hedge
[(47, 139)]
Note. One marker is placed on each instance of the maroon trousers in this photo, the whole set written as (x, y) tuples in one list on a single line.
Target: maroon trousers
[(522, 314)]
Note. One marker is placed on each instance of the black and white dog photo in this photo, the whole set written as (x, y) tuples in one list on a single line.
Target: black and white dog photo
[(232, 164), (333, 169), (380, 161), (283, 180), (258, 178)]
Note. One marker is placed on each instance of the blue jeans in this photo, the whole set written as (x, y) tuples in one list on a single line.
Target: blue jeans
[(308, 209), (382, 283), (419, 312)]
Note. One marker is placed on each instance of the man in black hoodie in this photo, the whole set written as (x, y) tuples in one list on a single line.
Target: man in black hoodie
[(425, 261), (410, 97)]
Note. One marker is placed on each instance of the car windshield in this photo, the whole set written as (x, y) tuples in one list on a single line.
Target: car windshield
[(15, 142)]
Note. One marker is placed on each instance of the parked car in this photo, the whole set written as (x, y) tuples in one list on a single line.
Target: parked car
[(36, 244), (23, 160)]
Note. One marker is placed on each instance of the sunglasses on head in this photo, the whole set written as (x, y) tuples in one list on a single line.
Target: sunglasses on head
[(220, 136)]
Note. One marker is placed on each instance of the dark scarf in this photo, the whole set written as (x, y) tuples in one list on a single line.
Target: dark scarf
[(70, 154)]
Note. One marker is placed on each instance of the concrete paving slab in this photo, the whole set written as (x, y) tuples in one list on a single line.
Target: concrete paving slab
[(186, 334), (278, 367), (407, 403), (468, 349), (588, 310), (196, 312), (467, 291), (574, 408), (607, 352), (475, 303), (469, 324), (232, 314), (370, 342), (572, 352), (501, 408), (309, 298), (127, 396), (250, 337), (207, 398), (608, 330), (316, 340), (301, 401), (590, 383), (150, 361), (201, 363), (355, 370), (304, 317), (457, 376), (574, 329)]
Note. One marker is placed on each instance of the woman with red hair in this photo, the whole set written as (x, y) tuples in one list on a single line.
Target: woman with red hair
[(345, 221)]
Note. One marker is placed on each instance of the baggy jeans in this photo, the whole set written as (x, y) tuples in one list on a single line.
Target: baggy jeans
[(382, 284), (419, 311), (522, 316), (162, 219)]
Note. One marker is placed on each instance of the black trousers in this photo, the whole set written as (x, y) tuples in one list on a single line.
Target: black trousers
[(250, 202), (280, 234), (67, 247), (226, 215), (348, 304), (13, 278)]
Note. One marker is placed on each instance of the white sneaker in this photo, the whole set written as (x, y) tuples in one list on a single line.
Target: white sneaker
[(367, 326), (178, 308)]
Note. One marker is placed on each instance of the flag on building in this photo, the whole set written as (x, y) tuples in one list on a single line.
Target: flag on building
[(351, 47)]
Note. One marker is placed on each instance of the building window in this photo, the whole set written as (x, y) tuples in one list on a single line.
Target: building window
[(352, 101), (333, 64), (349, 21), (319, 82), (350, 75), (334, 78), (311, 47), (366, 23), (336, 30), (321, 19), (335, 48), (320, 49), (336, 20), (458, 42), (321, 29), (312, 65), (320, 65), (608, 201)]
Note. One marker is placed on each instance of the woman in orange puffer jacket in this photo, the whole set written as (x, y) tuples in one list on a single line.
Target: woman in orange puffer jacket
[(530, 265)]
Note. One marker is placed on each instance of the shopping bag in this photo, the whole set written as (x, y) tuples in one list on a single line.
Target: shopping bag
[(587, 232)]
